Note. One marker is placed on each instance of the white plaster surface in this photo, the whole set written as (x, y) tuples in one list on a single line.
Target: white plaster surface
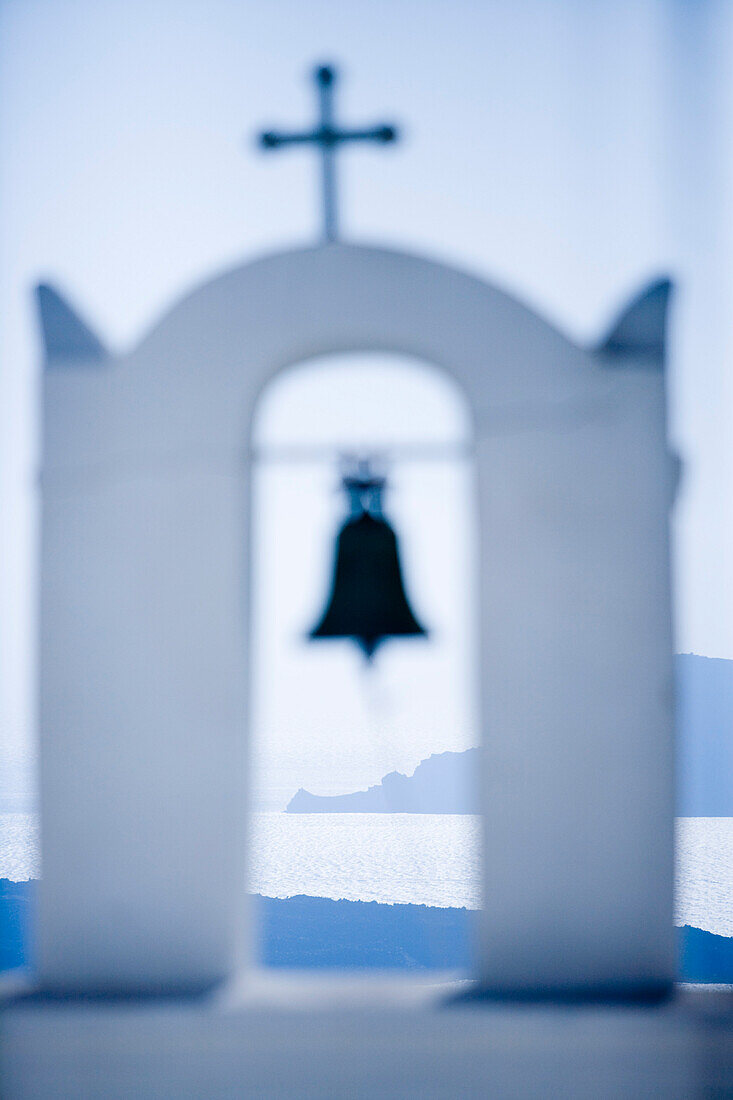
[(374, 1037), (144, 626)]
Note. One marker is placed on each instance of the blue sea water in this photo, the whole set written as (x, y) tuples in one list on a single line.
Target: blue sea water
[(429, 859)]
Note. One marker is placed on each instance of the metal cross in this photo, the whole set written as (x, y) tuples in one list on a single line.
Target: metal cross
[(327, 137)]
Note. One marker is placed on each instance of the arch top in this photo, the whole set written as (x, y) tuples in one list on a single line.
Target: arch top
[(354, 267), (195, 378), (294, 305)]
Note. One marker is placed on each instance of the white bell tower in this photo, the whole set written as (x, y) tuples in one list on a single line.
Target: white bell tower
[(145, 612)]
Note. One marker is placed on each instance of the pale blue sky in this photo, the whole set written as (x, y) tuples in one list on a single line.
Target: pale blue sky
[(569, 151)]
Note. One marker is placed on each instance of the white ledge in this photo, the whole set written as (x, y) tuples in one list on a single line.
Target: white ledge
[(290, 1035)]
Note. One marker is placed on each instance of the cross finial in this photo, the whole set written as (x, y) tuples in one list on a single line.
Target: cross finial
[(327, 137)]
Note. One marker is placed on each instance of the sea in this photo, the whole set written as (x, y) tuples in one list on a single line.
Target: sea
[(427, 859)]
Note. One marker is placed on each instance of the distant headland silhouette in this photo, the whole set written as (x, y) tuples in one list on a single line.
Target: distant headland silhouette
[(446, 783), (442, 784)]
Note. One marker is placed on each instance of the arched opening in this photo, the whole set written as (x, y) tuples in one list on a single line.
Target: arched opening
[(325, 720)]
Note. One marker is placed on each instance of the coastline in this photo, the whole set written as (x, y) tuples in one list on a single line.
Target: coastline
[(323, 933)]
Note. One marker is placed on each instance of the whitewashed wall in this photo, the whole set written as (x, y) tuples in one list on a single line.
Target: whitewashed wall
[(144, 614)]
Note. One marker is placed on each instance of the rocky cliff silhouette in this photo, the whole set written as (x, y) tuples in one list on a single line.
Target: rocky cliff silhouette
[(445, 783)]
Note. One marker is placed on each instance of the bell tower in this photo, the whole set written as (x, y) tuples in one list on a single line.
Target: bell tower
[(145, 608)]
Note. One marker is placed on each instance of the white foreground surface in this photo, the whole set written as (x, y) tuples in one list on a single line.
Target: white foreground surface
[(289, 1036)]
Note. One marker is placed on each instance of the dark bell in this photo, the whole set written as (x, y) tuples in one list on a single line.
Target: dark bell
[(367, 602)]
